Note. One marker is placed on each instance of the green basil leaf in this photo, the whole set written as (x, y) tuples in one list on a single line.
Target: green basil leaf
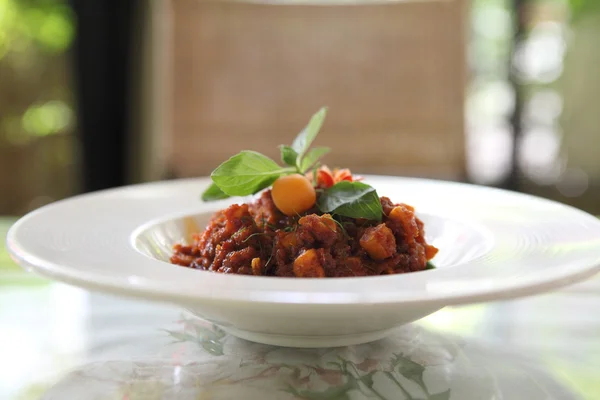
[(312, 157), (288, 155), (351, 199), (308, 134), (430, 265), (246, 173), (213, 192)]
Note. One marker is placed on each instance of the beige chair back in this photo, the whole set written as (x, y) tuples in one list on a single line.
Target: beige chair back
[(249, 75)]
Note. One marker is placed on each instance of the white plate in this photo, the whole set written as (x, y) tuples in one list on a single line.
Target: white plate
[(493, 245)]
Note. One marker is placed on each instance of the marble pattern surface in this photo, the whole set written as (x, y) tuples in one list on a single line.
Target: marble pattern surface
[(60, 342)]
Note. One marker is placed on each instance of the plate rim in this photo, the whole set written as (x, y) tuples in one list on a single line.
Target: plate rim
[(140, 289)]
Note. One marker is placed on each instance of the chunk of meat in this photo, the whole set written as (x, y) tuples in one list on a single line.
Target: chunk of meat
[(386, 204), (379, 242), (322, 227), (289, 240), (240, 260), (266, 215), (404, 223), (308, 265), (236, 216), (183, 255), (430, 251), (223, 225)]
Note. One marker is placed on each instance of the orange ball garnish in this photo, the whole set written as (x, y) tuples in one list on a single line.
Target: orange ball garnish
[(293, 194)]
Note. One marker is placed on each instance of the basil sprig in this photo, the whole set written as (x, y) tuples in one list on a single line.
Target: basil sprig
[(246, 173), (311, 159), (249, 172), (351, 199), (213, 192), (308, 135), (288, 155)]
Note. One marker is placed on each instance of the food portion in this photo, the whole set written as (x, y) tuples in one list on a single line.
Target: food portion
[(259, 239), (308, 221)]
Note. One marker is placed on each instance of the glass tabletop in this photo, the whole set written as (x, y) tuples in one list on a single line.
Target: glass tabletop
[(61, 342)]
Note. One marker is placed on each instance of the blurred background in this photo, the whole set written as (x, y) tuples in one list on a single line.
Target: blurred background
[(98, 94), (492, 92)]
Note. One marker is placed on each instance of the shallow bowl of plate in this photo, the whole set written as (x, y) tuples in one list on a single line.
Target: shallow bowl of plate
[(494, 245)]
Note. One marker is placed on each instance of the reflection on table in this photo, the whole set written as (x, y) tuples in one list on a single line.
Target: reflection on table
[(60, 342)]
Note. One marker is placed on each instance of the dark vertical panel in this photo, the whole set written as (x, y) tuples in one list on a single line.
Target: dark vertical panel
[(512, 182), (102, 56)]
